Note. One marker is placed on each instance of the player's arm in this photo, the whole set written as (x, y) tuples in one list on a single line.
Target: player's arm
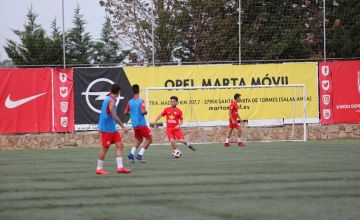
[(158, 118), (143, 108), (230, 116), (114, 115), (127, 109), (180, 123), (181, 119), (162, 114), (238, 115)]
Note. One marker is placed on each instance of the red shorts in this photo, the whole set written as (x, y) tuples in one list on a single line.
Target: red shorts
[(142, 131), (109, 138), (233, 125), (173, 133)]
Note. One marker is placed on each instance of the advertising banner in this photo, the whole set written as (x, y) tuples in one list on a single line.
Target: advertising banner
[(26, 98), (208, 105), (91, 86), (346, 91), (326, 93), (63, 100)]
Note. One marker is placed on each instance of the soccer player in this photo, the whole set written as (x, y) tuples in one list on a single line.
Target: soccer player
[(174, 119), (136, 109), (109, 133), (233, 121)]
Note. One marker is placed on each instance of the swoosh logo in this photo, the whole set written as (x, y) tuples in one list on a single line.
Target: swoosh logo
[(13, 104)]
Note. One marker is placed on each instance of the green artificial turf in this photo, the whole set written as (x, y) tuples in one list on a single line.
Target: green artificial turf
[(287, 180)]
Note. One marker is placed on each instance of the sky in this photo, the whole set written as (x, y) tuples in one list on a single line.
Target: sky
[(13, 16)]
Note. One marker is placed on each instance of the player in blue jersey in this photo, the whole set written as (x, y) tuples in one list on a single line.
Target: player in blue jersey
[(136, 109), (109, 134)]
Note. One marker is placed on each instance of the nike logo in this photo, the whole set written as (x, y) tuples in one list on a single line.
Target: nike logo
[(13, 104)]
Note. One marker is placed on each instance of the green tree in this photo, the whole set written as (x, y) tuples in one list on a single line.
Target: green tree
[(78, 41), (184, 30), (34, 45), (107, 50), (275, 30), (213, 31), (344, 29), (55, 49), (199, 30)]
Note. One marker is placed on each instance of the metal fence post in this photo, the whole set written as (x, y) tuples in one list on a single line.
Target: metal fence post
[(63, 31), (152, 33)]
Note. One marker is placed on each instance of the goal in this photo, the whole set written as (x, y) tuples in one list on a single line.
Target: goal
[(261, 107)]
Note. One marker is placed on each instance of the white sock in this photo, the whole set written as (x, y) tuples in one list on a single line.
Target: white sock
[(239, 139), (133, 149), (100, 165), (227, 140), (142, 151), (119, 162)]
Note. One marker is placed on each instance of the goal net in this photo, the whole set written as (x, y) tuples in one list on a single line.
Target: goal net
[(268, 112)]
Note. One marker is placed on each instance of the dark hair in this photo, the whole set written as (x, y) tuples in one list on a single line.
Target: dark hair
[(174, 97), (115, 88), (237, 95), (136, 89)]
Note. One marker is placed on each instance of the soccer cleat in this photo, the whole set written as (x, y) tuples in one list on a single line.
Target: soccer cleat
[(131, 157), (101, 172), (123, 170), (140, 158), (226, 145), (241, 144), (191, 147)]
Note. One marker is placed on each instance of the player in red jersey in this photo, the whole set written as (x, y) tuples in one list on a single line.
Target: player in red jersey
[(233, 121), (174, 119)]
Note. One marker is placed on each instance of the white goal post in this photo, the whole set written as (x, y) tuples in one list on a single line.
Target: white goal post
[(302, 86)]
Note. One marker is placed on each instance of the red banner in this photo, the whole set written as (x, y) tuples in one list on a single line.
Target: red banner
[(326, 91), (344, 91), (63, 119), (25, 97), (346, 84)]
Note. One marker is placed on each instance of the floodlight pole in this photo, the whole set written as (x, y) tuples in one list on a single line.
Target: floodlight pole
[(63, 33), (239, 32), (324, 27)]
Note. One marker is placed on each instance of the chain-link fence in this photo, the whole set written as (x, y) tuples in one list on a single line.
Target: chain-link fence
[(144, 32)]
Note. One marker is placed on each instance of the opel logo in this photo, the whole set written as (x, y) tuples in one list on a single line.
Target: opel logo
[(100, 95)]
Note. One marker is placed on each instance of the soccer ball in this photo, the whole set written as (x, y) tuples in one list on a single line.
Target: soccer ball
[(176, 153)]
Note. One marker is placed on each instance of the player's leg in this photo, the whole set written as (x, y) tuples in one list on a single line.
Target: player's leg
[(102, 153), (106, 141), (171, 136), (187, 144), (138, 141), (180, 137), (238, 133), (227, 139), (172, 139), (119, 159), (173, 143), (100, 164), (140, 155), (146, 133)]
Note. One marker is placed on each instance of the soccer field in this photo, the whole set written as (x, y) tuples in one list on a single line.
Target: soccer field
[(287, 180)]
